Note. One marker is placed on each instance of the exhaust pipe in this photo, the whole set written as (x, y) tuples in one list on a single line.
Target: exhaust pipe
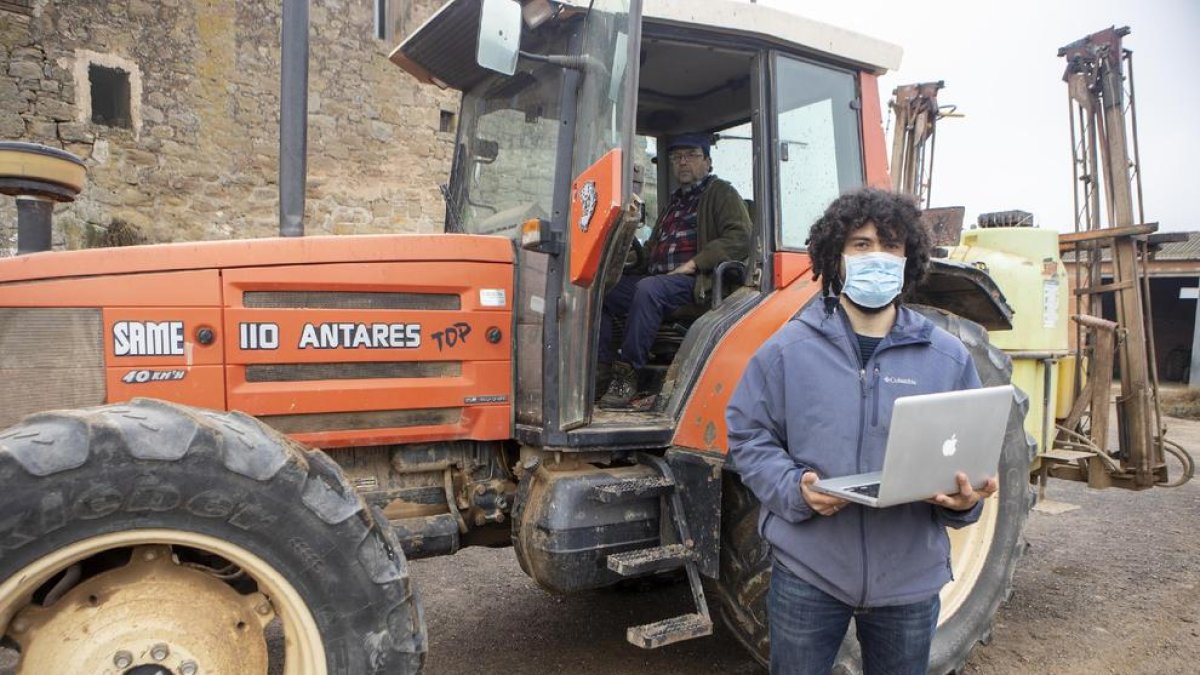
[(293, 118), (38, 176), (34, 216)]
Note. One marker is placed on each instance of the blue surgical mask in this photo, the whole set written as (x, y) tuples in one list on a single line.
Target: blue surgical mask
[(873, 279)]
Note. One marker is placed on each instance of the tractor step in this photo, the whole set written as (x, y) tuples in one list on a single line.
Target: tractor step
[(647, 560), (632, 488), (669, 631), (662, 558)]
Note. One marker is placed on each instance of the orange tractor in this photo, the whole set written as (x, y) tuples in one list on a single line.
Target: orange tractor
[(207, 439)]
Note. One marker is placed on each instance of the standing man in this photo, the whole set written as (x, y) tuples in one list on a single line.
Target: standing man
[(705, 224), (815, 401)]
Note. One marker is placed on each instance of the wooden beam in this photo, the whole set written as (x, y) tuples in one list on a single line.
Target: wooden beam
[(1070, 240)]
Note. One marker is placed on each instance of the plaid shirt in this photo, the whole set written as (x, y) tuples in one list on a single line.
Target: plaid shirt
[(677, 238)]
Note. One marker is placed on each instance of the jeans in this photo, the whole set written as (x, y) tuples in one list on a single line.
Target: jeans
[(644, 301), (807, 626)]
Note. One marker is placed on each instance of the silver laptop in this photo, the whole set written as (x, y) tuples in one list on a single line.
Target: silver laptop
[(932, 437)]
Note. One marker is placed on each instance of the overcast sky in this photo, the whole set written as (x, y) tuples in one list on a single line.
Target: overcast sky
[(1001, 67)]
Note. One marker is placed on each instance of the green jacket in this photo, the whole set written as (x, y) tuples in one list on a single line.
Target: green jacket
[(722, 233)]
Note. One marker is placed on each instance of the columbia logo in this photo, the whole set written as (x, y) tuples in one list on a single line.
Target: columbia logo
[(899, 380)]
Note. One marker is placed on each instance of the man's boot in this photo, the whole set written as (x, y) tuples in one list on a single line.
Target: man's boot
[(603, 379), (622, 388)]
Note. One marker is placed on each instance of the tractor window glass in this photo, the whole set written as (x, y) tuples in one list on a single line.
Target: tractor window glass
[(604, 122), (645, 156), (503, 171), (733, 160), (819, 154)]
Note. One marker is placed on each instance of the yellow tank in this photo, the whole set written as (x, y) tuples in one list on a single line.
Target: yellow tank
[(1066, 385), (1025, 264)]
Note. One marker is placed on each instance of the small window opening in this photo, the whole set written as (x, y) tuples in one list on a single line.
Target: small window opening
[(446, 122), (110, 96)]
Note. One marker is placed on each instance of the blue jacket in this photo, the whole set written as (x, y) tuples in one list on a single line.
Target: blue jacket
[(806, 402)]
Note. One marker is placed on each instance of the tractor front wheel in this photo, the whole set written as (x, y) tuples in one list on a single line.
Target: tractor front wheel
[(172, 538)]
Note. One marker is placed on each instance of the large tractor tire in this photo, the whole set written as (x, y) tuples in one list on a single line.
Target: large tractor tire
[(150, 537), (984, 556)]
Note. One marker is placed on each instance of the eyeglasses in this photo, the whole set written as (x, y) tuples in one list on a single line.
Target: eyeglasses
[(682, 155)]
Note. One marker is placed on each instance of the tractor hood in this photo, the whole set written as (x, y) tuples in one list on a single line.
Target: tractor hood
[(336, 341), (256, 253)]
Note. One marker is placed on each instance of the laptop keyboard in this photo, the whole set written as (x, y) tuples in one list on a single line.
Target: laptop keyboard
[(871, 490)]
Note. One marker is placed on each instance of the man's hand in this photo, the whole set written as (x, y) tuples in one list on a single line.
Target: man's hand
[(688, 267), (824, 504), (967, 496)]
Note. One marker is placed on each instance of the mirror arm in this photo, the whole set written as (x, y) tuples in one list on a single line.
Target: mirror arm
[(581, 63)]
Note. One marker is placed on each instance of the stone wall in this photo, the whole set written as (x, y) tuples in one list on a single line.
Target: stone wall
[(198, 156)]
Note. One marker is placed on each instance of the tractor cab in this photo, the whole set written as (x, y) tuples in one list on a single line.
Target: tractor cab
[(558, 141)]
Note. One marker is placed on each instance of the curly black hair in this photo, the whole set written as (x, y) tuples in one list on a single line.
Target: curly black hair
[(896, 218)]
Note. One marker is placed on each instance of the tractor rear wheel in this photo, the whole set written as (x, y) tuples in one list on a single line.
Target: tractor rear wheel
[(983, 556), (173, 537)]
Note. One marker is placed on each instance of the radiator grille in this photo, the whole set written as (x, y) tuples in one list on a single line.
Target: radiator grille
[(49, 359), (307, 372), (375, 419), (349, 300)]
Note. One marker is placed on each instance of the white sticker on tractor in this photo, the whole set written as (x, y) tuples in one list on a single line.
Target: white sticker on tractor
[(148, 338), (144, 376), (1050, 303), (492, 297), (360, 335), (258, 336), (587, 200)]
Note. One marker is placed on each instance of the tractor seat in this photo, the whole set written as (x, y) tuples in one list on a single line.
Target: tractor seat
[(728, 276)]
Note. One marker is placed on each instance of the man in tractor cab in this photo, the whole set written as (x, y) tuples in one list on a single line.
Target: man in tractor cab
[(705, 224), (814, 402)]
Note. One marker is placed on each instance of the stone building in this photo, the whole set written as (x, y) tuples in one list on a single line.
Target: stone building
[(174, 107)]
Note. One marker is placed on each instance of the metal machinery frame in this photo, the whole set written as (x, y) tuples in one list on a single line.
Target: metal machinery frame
[(1107, 190), (916, 109)]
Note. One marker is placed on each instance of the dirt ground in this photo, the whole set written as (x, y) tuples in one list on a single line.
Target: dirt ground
[(1112, 587)]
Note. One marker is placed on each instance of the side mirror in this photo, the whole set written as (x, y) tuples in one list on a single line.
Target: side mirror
[(499, 35)]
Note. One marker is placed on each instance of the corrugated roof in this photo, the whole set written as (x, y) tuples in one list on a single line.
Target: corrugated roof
[(1180, 250), (1169, 250)]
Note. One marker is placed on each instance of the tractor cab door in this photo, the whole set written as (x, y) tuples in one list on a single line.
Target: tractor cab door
[(599, 193), (543, 138)]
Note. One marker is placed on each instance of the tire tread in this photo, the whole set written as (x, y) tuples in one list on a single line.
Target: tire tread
[(142, 433)]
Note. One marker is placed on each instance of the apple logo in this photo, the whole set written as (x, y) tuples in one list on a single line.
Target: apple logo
[(950, 445)]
